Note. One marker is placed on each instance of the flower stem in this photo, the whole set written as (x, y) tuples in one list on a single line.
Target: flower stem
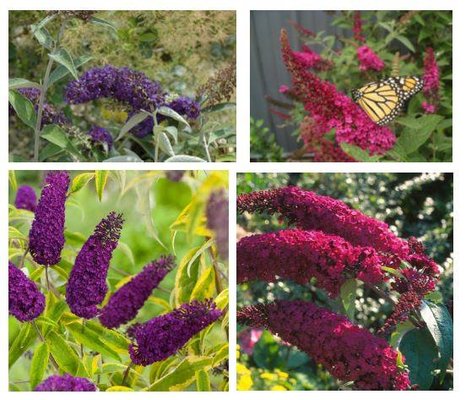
[(206, 147), (23, 257), (126, 374)]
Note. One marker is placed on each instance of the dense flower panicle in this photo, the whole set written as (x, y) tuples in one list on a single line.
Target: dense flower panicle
[(429, 108), (26, 198), (302, 255), (431, 76), (357, 27), (186, 106), (46, 237), (368, 60), (220, 87), (331, 109), (65, 383), (217, 220), (125, 303), (312, 60), (348, 352), (163, 336), (100, 136), (87, 285), (310, 211), (25, 301)]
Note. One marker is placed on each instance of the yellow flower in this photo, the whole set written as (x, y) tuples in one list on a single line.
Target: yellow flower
[(278, 387), (268, 376), (243, 377)]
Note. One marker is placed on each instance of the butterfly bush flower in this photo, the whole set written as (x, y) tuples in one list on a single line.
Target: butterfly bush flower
[(300, 255), (357, 27), (100, 136), (217, 220), (186, 106), (46, 237), (312, 60), (368, 60), (431, 80), (331, 109), (348, 352), (65, 383), (26, 198), (87, 285), (25, 301), (163, 336), (125, 303)]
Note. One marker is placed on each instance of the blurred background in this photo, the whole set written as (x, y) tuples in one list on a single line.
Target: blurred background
[(419, 205)]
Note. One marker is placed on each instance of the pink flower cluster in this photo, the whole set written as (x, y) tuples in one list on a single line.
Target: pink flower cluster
[(431, 82), (357, 27), (312, 60), (348, 352), (301, 255), (368, 60), (331, 109)]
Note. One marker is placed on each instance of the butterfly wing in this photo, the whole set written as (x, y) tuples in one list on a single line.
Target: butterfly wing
[(383, 101)]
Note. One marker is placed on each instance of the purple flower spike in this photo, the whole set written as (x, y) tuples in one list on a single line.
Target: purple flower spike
[(46, 237), (186, 106), (65, 383), (100, 136), (87, 285), (26, 198), (25, 301), (125, 303), (217, 220), (163, 336)]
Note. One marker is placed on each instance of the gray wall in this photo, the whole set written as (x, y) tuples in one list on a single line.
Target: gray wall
[(267, 70)]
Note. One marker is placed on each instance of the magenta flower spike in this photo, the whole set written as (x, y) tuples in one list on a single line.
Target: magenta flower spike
[(26, 198), (65, 383)]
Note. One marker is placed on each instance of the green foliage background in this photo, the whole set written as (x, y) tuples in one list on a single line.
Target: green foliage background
[(418, 205), (151, 206)]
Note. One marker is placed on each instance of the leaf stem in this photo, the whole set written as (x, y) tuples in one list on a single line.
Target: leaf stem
[(206, 147)]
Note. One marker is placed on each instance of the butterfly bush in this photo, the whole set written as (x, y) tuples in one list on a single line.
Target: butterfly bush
[(369, 60), (431, 80), (163, 336), (130, 87), (46, 237), (25, 301), (301, 255), (87, 284), (65, 383), (26, 198), (100, 135), (125, 303), (348, 352), (312, 60), (357, 27), (331, 109)]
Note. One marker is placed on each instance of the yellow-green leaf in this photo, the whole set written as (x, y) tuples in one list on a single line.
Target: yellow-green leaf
[(119, 389), (205, 285), (12, 179), (39, 364), (202, 381), (21, 343), (64, 355), (100, 182), (222, 299), (185, 279), (80, 181)]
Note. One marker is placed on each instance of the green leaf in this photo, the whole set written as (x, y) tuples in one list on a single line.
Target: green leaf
[(184, 158), (61, 71), (104, 23), (205, 285), (202, 381), (135, 120), (165, 144), (43, 36), (184, 281), (111, 338), (420, 351), (19, 83), (25, 338), (80, 181), (357, 153), (23, 108), (124, 159), (348, 297), (64, 355), (39, 363), (419, 131), (222, 299), (440, 325), (406, 42), (90, 339), (62, 57), (100, 182), (12, 180), (182, 375), (219, 107), (119, 389), (168, 112), (57, 136)]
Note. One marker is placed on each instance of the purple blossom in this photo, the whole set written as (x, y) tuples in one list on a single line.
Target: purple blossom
[(46, 237), (87, 282), (348, 352), (431, 76), (65, 383), (300, 255), (26, 198), (369, 60), (163, 336), (100, 135), (125, 303), (186, 106), (25, 301), (217, 220)]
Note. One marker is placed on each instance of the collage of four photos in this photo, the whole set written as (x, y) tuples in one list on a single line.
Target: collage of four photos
[(120, 275)]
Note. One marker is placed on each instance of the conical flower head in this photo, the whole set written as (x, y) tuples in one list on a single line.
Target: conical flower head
[(46, 237), (87, 284), (25, 301), (65, 383), (163, 336), (125, 303), (26, 198), (348, 352)]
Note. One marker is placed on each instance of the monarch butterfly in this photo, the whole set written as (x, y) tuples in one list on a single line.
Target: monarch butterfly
[(382, 101)]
